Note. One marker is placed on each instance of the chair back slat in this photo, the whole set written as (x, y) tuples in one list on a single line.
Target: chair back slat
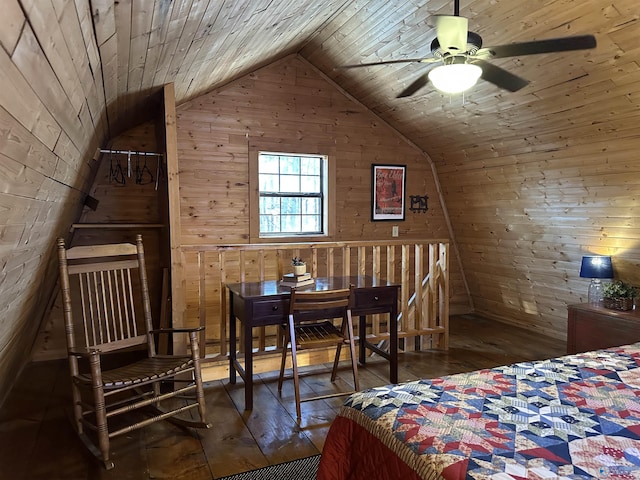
[(100, 266), (302, 301), (98, 251), (110, 297), (108, 306)]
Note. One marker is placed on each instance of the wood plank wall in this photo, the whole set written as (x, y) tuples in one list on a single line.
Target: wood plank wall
[(288, 106), (52, 119), (523, 222), (124, 210)]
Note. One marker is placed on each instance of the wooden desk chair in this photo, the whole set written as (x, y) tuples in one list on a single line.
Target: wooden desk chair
[(310, 325), (106, 298)]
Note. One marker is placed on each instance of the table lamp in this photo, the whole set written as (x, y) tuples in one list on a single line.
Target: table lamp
[(596, 267)]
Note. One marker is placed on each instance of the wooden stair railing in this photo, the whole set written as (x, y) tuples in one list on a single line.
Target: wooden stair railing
[(420, 266)]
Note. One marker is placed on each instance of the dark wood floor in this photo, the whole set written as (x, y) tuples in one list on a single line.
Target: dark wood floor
[(37, 441)]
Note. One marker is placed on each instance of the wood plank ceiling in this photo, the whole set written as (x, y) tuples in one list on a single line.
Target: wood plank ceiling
[(202, 45)]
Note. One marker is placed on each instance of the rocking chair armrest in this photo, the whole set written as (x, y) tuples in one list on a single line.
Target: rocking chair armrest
[(84, 352)]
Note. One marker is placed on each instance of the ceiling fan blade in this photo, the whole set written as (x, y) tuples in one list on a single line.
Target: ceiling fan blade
[(564, 44), (389, 62), (500, 77), (452, 33), (416, 85)]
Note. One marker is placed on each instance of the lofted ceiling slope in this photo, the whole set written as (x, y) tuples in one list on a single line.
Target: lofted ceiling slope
[(202, 45)]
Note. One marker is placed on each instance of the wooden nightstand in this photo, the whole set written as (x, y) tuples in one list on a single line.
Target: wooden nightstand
[(593, 327)]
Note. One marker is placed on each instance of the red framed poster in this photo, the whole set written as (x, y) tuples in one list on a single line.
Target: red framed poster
[(387, 192)]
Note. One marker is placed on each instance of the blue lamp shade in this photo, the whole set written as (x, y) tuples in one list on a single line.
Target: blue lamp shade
[(596, 266)]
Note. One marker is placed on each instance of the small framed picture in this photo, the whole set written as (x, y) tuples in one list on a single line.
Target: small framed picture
[(388, 192)]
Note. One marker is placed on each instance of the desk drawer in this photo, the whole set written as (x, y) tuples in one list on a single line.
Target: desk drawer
[(269, 312), (375, 297)]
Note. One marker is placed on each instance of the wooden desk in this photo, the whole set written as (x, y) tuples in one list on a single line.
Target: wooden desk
[(593, 327), (257, 304)]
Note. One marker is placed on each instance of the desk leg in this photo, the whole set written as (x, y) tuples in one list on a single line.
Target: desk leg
[(232, 341), (393, 344), (248, 367), (362, 335)]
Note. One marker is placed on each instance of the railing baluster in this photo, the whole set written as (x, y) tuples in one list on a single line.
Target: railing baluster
[(202, 295), (418, 321), (224, 312)]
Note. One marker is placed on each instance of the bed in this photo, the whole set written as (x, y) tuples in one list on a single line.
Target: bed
[(570, 417)]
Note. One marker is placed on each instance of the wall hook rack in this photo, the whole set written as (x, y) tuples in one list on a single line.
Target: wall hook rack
[(419, 203), (143, 174)]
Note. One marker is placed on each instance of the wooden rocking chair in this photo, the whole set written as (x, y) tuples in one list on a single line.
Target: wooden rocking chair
[(99, 287)]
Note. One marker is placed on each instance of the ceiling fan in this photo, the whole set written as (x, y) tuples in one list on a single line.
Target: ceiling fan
[(463, 60)]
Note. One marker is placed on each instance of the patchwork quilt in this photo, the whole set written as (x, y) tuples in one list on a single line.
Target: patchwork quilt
[(570, 417)]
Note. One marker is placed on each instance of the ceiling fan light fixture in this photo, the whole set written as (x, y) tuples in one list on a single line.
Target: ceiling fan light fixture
[(455, 78)]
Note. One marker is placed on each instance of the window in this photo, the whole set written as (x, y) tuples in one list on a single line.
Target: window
[(292, 194)]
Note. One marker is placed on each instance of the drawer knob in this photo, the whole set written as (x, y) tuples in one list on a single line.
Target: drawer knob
[(376, 298), (275, 308)]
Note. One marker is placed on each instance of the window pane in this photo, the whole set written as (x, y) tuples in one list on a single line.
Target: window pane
[(310, 223), (269, 215), (270, 223), (290, 165), (291, 205), (310, 166), (268, 163), (269, 183), (309, 184), (311, 205), (291, 224), (290, 183), (270, 206)]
